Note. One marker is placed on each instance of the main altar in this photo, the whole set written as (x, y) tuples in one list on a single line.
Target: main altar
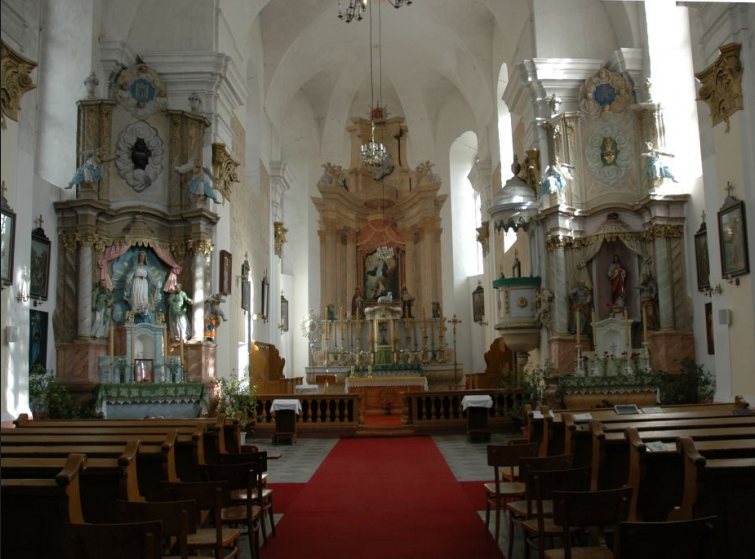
[(384, 394)]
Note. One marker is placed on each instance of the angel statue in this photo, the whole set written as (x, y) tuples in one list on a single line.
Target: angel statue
[(656, 169), (199, 185), (213, 310), (90, 170)]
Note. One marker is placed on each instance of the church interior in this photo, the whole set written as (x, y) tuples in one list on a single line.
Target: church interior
[(383, 211)]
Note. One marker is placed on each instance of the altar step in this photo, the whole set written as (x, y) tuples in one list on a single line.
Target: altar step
[(385, 431)]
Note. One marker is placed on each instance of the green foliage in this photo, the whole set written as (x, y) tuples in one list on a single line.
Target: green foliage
[(236, 397), (49, 398), (532, 385)]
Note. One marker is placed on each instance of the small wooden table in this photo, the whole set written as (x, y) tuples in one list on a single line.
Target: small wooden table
[(477, 407), (285, 411)]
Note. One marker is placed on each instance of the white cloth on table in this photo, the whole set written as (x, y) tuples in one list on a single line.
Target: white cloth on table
[(477, 401), (286, 404), (305, 389)]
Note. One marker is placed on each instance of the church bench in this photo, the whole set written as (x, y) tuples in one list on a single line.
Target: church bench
[(103, 481), (724, 487), (189, 447), (155, 457), (610, 451), (29, 503), (656, 471)]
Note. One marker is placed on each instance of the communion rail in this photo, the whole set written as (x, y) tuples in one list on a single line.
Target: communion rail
[(332, 414), (434, 411)]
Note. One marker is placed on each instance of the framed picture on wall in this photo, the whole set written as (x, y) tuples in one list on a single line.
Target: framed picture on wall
[(143, 370), (246, 286), (709, 328), (226, 272), (284, 314), (732, 234), (38, 321), (478, 304), (265, 301), (701, 257), (39, 265), (8, 243)]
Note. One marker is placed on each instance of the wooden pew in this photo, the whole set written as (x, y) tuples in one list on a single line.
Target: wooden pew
[(189, 447), (31, 503), (656, 472), (105, 479), (155, 457), (724, 487)]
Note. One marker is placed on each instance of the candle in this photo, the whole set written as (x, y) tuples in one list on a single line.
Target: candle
[(326, 330), (183, 361), (594, 331), (165, 346), (133, 346), (578, 319), (424, 320), (626, 327), (111, 344), (414, 331), (644, 324)]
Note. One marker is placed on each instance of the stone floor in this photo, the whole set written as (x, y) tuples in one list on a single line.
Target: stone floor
[(467, 461)]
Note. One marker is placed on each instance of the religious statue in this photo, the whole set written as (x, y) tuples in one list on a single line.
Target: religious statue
[(581, 302), (90, 171), (178, 302), (435, 305), (543, 305), (617, 275), (199, 185), (649, 301), (609, 151), (357, 304), (213, 310), (140, 287), (331, 311), (407, 300), (102, 305), (657, 171)]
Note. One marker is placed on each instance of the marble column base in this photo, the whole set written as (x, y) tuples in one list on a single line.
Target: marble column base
[(78, 365), (669, 346), (562, 354), (200, 362)]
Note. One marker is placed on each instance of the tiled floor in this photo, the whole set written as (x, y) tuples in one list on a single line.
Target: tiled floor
[(467, 461)]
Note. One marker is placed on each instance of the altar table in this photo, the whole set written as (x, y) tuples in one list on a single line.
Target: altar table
[(136, 401), (378, 391)]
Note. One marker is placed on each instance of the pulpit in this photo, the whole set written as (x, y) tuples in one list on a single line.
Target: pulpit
[(266, 370)]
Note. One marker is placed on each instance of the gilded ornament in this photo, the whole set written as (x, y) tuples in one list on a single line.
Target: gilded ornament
[(506, 305), (200, 246), (721, 85), (68, 241), (16, 81), (86, 239), (521, 302), (280, 237), (483, 237), (224, 168), (604, 94)]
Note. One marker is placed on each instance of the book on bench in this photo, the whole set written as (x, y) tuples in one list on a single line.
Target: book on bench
[(579, 417), (743, 411), (626, 409)]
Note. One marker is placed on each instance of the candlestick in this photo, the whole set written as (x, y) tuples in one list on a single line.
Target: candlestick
[(414, 333), (133, 346), (183, 360), (578, 319), (424, 320), (644, 324), (626, 328), (594, 331), (165, 346)]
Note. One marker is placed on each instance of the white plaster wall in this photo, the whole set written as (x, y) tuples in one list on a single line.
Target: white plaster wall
[(171, 25), (572, 29)]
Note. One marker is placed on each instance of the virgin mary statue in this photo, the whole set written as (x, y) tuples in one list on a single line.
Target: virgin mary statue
[(138, 283)]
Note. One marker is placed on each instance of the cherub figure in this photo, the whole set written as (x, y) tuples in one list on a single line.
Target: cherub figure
[(90, 171), (543, 305), (657, 171), (199, 185), (213, 310)]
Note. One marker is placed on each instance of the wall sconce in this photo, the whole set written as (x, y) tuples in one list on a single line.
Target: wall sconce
[(23, 293), (710, 292), (732, 281)]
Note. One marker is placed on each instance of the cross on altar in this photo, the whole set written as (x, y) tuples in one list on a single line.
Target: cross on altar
[(702, 216), (728, 189)]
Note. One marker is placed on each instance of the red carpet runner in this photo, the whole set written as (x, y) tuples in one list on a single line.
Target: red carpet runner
[(382, 498)]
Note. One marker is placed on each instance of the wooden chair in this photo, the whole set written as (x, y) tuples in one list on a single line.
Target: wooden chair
[(519, 510), (512, 474), (687, 539), (244, 478), (262, 496), (591, 509), (179, 519), (504, 457), (541, 486), (114, 541), (211, 498)]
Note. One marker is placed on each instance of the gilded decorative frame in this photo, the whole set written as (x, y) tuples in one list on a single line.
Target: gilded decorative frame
[(226, 268), (732, 236), (39, 265)]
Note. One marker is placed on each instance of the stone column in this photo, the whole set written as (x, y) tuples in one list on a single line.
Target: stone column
[(665, 288), (84, 288)]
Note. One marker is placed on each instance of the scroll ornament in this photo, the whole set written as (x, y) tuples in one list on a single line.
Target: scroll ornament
[(16, 81), (721, 85)]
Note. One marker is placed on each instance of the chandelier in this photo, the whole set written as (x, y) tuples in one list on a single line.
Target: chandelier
[(356, 8)]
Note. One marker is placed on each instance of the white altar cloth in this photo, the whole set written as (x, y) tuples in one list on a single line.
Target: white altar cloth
[(476, 401), (286, 404)]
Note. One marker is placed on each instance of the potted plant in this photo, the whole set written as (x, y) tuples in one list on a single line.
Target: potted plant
[(237, 398), (532, 385)]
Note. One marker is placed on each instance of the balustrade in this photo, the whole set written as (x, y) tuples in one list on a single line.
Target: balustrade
[(341, 409), (439, 407)]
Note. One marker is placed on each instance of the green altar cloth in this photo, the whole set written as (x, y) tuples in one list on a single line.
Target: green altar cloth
[(135, 401)]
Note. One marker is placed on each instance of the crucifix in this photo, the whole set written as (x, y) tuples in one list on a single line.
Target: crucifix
[(39, 221), (613, 348), (702, 216), (455, 321), (728, 189)]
